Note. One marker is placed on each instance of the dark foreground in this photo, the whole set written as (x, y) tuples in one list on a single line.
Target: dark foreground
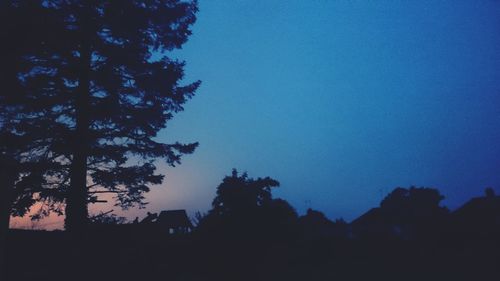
[(114, 255)]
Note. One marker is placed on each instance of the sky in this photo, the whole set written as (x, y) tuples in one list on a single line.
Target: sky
[(340, 101)]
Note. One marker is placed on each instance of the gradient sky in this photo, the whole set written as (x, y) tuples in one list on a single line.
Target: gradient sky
[(341, 101)]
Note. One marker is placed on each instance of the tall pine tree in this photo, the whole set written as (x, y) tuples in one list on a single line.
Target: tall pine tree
[(95, 93)]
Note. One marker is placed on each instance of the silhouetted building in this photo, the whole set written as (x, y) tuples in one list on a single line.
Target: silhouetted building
[(378, 222), (171, 222), (315, 224), (174, 222), (373, 223), (150, 218), (479, 215)]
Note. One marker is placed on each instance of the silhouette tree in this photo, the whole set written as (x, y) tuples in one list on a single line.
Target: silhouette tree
[(96, 91), (415, 209), (20, 164), (414, 199), (240, 194), (244, 207), (10, 55)]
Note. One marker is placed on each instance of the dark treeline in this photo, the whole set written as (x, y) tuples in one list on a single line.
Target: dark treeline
[(249, 235)]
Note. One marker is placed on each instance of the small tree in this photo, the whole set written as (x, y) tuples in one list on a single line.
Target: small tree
[(238, 195), (416, 208), (244, 206)]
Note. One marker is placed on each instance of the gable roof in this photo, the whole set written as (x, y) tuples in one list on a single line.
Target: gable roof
[(479, 207), (373, 216), (174, 218)]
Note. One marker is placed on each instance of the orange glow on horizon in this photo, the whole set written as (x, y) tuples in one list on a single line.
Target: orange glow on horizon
[(181, 190)]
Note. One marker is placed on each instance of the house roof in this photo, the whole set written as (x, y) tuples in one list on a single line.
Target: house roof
[(174, 218), (479, 206), (373, 216)]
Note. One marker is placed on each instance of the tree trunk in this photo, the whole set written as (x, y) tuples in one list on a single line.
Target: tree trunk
[(77, 197)]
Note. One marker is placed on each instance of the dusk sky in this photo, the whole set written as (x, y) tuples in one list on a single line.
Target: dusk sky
[(340, 101)]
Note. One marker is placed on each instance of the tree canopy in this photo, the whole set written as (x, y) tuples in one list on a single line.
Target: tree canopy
[(245, 208), (238, 194), (418, 207), (93, 92)]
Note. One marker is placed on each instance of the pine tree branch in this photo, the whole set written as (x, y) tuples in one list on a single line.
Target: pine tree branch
[(107, 191)]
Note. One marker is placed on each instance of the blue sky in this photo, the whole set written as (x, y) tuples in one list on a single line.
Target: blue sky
[(341, 101)]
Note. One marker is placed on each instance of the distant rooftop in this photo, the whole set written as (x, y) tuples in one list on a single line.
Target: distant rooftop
[(174, 218)]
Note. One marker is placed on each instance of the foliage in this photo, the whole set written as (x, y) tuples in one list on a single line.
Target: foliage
[(244, 207), (240, 194), (415, 209), (423, 200), (23, 166), (92, 93), (108, 219)]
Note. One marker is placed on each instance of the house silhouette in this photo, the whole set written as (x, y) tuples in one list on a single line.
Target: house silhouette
[(173, 222), (480, 215)]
